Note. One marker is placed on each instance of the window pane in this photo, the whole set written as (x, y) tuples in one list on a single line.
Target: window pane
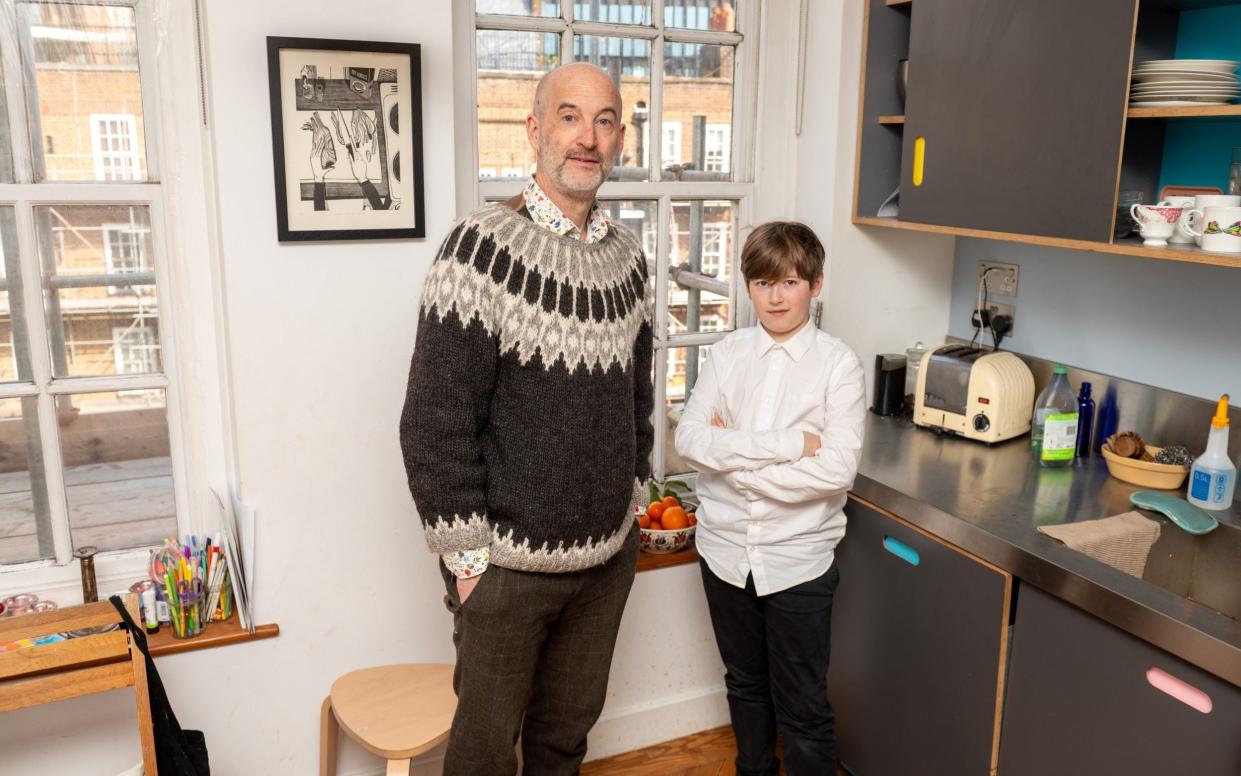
[(684, 366), (510, 65), (698, 111), (118, 475), (14, 343), (520, 7), (702, 238), (629, 62), (89, 94), (614, 12), (640, 216), (99, 268), (718, 15), (25, 532)]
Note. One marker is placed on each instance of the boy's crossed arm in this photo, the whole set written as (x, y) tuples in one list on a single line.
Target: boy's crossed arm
[(833, 467), (710, 446)]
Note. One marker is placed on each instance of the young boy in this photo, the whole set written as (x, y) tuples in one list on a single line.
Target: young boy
[(774, 426)]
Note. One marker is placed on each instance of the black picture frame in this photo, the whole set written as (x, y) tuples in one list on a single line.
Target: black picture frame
[(357, 158)]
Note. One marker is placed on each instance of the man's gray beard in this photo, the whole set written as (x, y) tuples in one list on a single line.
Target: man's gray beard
[(556, 173)]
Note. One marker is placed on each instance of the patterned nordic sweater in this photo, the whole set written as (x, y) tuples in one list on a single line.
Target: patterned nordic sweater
[(527, 418)]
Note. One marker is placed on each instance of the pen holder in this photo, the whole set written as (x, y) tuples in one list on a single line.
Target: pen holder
[(188, 615)]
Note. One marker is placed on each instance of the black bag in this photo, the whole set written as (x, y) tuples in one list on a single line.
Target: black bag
[(177, 752)]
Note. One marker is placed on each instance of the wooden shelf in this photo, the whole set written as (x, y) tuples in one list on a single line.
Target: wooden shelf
[(891, 119), (897, 3), (1204, 111), (217, 634), (649, 562), (1126, 247)]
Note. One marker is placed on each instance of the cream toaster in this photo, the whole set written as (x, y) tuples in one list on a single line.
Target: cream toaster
[(979, 394)]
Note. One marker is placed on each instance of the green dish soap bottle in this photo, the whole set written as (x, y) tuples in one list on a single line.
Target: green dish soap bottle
[(1053, 432), (1213, 476)]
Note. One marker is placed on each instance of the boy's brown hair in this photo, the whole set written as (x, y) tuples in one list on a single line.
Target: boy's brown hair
[(776, 247)]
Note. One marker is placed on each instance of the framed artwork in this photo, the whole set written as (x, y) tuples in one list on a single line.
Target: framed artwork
[(346, 129)]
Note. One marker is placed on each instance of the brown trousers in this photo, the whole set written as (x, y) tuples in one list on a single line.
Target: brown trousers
[(533, 655)]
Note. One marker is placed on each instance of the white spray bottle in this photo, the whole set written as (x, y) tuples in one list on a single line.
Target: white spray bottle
[(1213, 477)]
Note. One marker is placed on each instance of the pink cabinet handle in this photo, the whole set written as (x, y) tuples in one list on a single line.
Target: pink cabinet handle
[(1185, 693)]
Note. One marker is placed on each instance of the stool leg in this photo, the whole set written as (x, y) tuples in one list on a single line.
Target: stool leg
[(398, 768), (329, 736)]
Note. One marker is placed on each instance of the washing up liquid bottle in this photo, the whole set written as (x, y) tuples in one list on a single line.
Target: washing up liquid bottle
[(1053, 432), (1213, 477)]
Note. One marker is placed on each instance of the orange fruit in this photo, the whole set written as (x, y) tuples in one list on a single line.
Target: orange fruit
[(644, 521), (656, 526), (672, 501), (675, 519), (655, 509), (693, 518)]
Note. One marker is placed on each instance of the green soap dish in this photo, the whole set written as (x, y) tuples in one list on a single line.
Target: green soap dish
[(1186, 516)]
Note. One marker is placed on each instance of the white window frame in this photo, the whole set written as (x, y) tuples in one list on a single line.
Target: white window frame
[(715, 263), (191, 313), (127, 161), (672, 143), (663, 187)]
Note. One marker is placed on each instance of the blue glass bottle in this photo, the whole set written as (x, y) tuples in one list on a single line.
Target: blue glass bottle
[(1085, 419)]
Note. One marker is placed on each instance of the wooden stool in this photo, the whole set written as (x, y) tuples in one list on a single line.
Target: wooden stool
[(397, 712)]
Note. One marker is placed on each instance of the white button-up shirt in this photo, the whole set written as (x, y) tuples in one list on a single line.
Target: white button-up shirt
[(765, 510)]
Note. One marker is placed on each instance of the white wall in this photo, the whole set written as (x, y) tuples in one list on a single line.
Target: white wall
[(885, 288), (321, 336)]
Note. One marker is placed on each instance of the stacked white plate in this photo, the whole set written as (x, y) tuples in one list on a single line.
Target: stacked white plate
[(1169, 83)]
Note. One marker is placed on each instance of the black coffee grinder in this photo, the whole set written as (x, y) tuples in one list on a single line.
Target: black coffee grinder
[(889, 383)]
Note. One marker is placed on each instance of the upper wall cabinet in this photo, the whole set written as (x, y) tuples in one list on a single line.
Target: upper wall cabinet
[(1018, 122), (1015, 114)]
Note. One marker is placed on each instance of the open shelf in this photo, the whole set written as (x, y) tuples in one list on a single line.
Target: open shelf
[(1204, 111), (1126, 247), (891, 119), (897, 3)]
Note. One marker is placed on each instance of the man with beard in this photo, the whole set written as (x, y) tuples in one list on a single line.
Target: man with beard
[(526, 435)]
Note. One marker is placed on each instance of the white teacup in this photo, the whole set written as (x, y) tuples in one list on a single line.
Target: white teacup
[(1180, 235), (1204, 201), (1156, 223), (1218, 228)]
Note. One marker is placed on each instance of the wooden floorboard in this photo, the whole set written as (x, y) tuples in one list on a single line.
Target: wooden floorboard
[(709, 753)]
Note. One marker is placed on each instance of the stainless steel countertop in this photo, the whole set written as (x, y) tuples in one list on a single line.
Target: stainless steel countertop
[(989, 501)]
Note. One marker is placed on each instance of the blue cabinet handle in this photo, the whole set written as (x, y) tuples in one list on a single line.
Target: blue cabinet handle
[(902, 550)]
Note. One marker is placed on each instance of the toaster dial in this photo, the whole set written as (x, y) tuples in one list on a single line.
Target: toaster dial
[(981, 423)]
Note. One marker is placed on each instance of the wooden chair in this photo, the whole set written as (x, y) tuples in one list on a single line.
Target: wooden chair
[(397, 712), (75, 667)]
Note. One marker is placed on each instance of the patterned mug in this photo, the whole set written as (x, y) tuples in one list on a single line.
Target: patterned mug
[(1156, 222), (1219, 228)]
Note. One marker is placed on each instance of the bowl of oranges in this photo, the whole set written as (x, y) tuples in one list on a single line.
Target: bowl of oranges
[(667, 524)]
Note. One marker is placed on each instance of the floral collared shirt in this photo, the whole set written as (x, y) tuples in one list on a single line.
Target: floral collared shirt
[(547, 214)]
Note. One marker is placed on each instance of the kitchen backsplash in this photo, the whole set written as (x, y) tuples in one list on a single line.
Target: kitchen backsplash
[(1165, 324)]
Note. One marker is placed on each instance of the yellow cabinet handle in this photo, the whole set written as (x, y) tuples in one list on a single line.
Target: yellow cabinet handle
[(919, 159)]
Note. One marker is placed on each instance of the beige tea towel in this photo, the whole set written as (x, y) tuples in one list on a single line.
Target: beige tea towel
[(1123, 541)]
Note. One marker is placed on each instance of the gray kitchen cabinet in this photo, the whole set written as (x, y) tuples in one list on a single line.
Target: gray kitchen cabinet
[(1080, 700), (919, 633), (1021, 108)]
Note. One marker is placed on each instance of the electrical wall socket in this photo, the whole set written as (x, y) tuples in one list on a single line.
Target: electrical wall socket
[(994, 309), (1003, 281)]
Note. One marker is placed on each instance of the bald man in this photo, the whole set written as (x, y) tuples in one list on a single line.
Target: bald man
[(526, 435)]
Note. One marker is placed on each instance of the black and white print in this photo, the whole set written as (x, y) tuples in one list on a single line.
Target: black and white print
[(346, 131)]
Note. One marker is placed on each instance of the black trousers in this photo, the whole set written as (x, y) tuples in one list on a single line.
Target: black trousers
[(533, 656), (775, 650)]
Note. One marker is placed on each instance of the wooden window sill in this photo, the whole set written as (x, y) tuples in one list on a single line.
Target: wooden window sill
[(217, 634), (649, 562)]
